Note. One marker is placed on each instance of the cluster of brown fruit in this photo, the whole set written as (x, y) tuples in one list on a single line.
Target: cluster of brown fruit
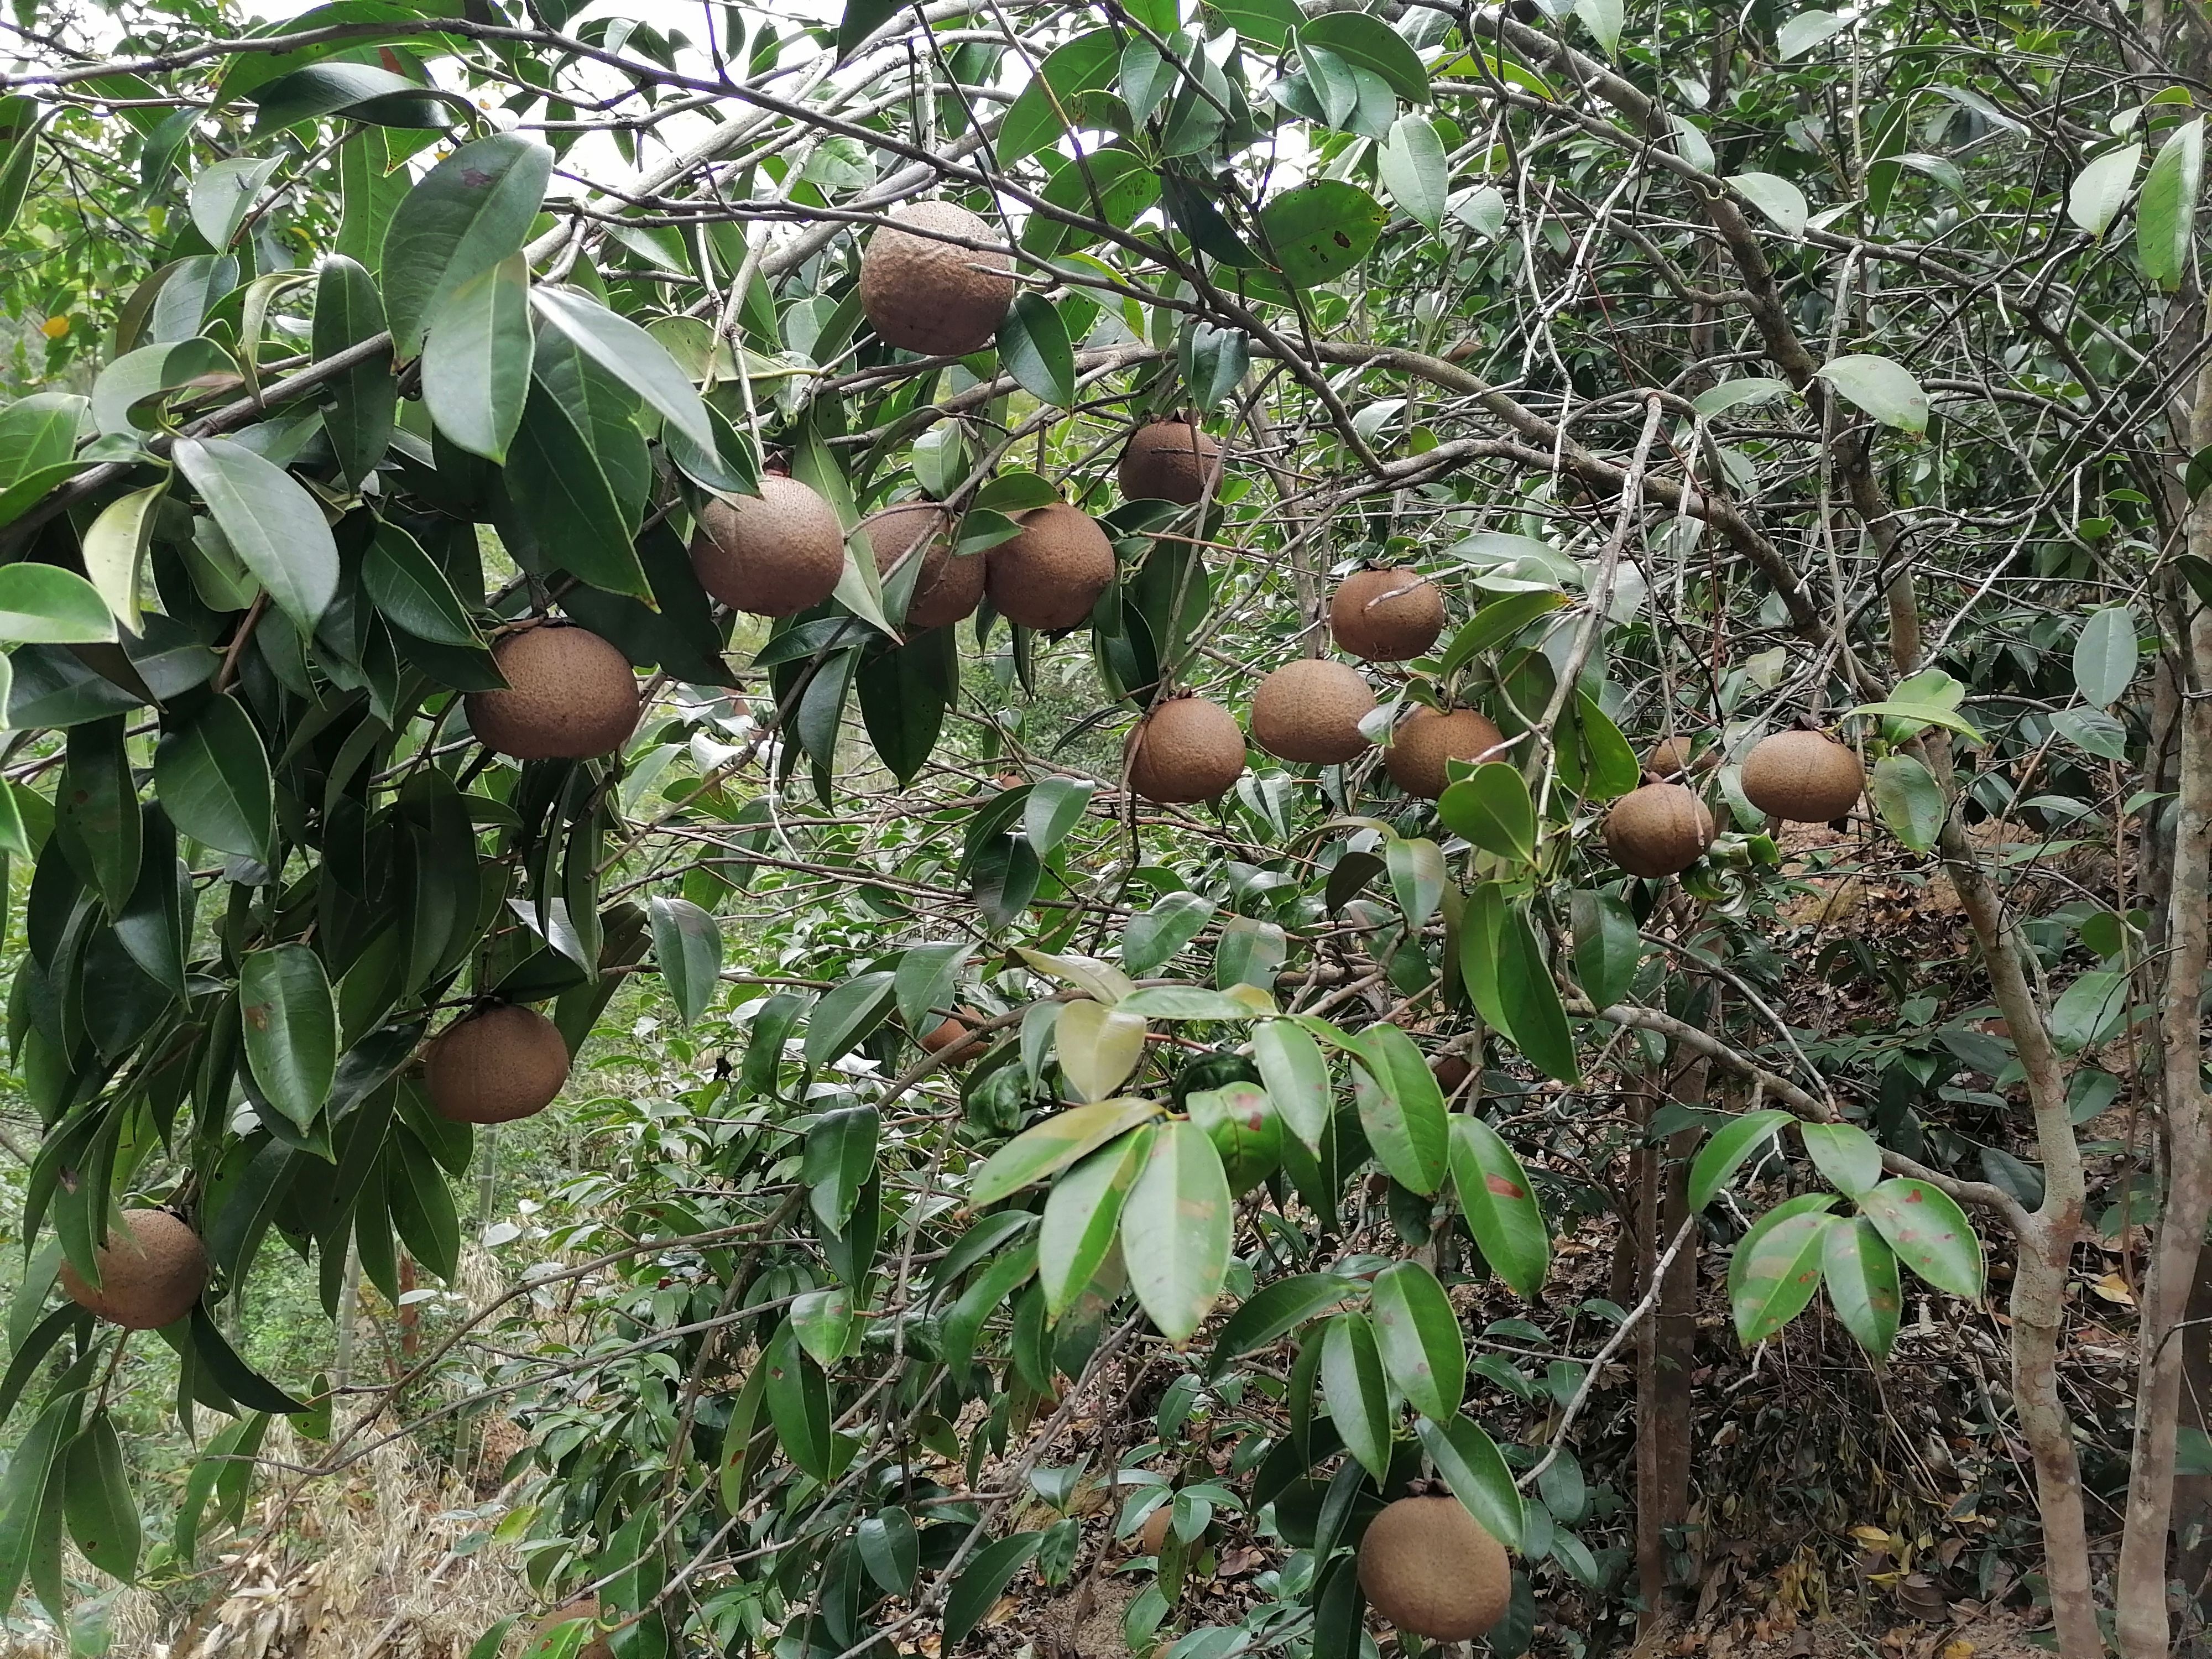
[(1310, 711), (1662, 828)]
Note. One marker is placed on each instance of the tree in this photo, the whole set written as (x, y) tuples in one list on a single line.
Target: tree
[(1738, 371)]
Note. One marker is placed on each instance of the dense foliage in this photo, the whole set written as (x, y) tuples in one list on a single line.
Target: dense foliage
[(1726, 372)]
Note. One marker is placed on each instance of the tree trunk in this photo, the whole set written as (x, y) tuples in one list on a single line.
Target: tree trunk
[(1667, 1352)]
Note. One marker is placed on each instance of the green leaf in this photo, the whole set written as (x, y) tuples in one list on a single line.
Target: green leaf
[(1929, 1233), (20, 120), (1801, 33), (842, 1019), (2089, 1011), (1055, 1143), (115, 550), (1097, 1047), (470, 212), (2165, 215), (825, 1323), (1044, 109), (1491, 808), (1033, 345), (1847, 1155), (96, 812), (1415, 169), (687, 944), (409, 590), (1055, 806), (45, 604), (103, 1516), (925, 981), (289, 1022), (1417, 878), (1910, 800), (1295, 1073), (1500, 1204), (1361, 37), (890, 1549), (1154, 936), (1471, 1465), (1268, 23), (1884, 389), (363, 402), (212, 778), (1781, 201), (24, 1487), (798, 1404), (1400, 1107), (1175, 1230), (1780, 1270), (477, 359), (558, 487), (1535, 1019), (1720, 1158), (1604, 19), (2105, 655), (633, 356), (1194, 1002), (1081, 1215), (2093, 200), (361, 90), (271, 523), (223, 194), (1607, 946), (1419, 1336), (1351, 1382), (981, 1581), (1274, 1312), (1861, 1270), (1318, 231), (1241, 1121)]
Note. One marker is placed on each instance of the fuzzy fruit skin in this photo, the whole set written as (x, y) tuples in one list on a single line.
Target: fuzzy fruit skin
[(1049, 576), (597, 1648), (1310, 711), (1660, 830), (1428, 1568), (505, 1063), (1154, 1537), (772, 554), (151, 1272), (1372, 617), (1425, 739), (1186, 751), (929, 296), (950, 587), (1670, 758), (952, 1033), (1803, 776), (569, 695), (1169, 461)]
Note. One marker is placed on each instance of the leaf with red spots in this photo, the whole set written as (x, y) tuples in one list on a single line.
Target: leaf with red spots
[(1501, 1207), (1419, 1336), (1929, 1233), (1776, 1269)]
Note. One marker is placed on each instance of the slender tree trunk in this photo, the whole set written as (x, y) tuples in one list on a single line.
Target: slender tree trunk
[(349, 1316), (1667, 1352)]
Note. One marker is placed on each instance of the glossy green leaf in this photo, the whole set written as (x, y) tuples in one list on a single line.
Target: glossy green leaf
[(1364, 39), (687, 944), (224, 192), (1500, 1203), (2093, 200), (2166, 214), (1415, 169), (798, 1404), (1471, 1465), (1295, 1073), (1721, 1156), (982, 1582), (1400, 1107), (1097, 1047), (1910, 800), (824, 1323), (1607, 947), (289, 1023), (1860, 1270), (1054, 1145), (1417, 878), (103, 1515), (925, 981), (1042, 110), (469, 213), (633, 356), (1351, 1382), (271, 522), (2105, 655), (212, 778), (1316, 232), (409, 590), (1175, 1230), (1274, 1311), (1033, 344), (1055, 806), (1491, 808), (1241, 1121), (477, 359), (1929, 1233), (1081, 1216), (1156, 934), (1536, 1017), (561, 493), (1780, 1272), (363, 402), (1882, 387), (1845, 1154), (44, 603), (1416, 1332)]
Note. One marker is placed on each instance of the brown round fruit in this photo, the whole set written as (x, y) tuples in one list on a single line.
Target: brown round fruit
[(950, 587), (774, 554), (152, 1270), (1450, 1072), (1660, 830), (569, 695), (1386, 616), (952, 1033), (1186, 750), (1670, 758), (494, 1066), (1428, 1568), (1154, 1537), (1049, 575), (931, 296), (1169, 461), (1309, 710), (1803, 776), (595, 1648), (1426, 740)]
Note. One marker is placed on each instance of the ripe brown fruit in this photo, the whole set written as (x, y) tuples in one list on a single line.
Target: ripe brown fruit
[(935, 297), (494, 1066), (774, 554), (569, 695), (1169, 461), (1153, 1538), (1387, 615), (1428, 1567), (1186, 750), (1049, 575), (1660, 830), (1426, 740), (950, 587), (595, 1648), (152, 1270), (1309, 710), (1450, 1071), (952, 1033), (1803, 776)]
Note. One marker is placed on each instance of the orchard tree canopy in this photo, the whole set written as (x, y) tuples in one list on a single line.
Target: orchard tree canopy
[(793, 521)]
